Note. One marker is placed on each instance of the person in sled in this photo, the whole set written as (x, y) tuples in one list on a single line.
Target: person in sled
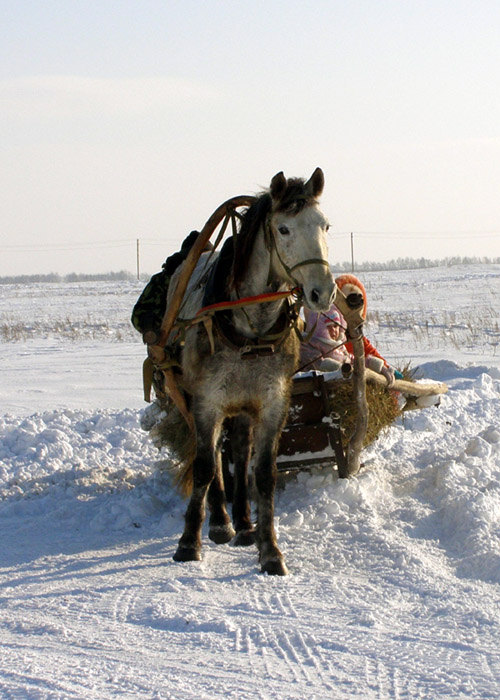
[(328, 348)]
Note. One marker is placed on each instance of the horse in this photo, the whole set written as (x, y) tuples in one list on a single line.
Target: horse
[(243, 369)]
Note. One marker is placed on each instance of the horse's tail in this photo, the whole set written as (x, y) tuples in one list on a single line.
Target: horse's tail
[(183, 475), (173, 433)]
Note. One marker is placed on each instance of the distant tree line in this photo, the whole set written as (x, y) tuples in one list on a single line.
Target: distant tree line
[(415, 263), (396, 264), (123, 275)]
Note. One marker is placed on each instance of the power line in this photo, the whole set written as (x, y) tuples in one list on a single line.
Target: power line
[(167, 241), (420, 235)]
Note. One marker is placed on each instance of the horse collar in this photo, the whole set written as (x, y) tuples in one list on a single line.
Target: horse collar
[(250, 348)]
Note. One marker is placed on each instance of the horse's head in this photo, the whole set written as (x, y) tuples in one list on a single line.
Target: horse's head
[(297, 238)]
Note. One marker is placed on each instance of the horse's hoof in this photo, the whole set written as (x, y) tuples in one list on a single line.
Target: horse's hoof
[(274, 567), (220, 534), (244, 538), (187, 554)]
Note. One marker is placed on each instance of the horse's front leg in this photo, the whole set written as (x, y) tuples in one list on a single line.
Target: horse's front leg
[(204, 469), (266, 447)]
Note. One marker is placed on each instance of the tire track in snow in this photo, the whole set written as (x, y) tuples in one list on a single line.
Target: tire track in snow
[(284, 604), (284, 656), (122, 605), (271, 643), (252, 642), (282, 645), (384, 681), (321, 669)]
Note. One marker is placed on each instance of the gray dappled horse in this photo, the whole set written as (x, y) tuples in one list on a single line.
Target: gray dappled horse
[(247, 375)]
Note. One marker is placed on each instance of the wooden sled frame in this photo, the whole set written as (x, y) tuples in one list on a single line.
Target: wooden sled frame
[(310, 423)]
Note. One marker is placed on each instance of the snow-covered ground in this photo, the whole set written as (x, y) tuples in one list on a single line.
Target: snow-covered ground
[(394, 589)]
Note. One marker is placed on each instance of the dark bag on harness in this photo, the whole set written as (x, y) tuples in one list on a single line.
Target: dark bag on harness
[(149, 309)]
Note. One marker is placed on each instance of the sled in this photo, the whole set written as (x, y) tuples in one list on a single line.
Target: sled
[(313, 434)]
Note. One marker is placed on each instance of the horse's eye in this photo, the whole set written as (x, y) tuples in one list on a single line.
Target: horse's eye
[(327, 228), (284, 230)]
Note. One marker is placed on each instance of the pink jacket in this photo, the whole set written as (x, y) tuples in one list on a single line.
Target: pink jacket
[(327, 335), (327, 339)]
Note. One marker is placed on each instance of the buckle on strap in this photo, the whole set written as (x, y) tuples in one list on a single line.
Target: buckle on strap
[(248, 352)]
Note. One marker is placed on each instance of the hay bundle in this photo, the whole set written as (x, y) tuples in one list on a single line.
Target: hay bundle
[(172, 432), (383, 408)]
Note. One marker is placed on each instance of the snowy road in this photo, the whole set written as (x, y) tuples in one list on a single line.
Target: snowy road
[(394, 589)]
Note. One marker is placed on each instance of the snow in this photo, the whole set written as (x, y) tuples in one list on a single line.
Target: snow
[(394, 583)]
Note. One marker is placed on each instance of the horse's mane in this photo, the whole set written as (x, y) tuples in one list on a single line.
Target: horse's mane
[(292, 200), (251, 222)]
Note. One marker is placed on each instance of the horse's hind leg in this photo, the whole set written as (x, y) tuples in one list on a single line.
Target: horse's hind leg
[(220, 528), (204, 468), (189, 547), (241, 450), (270, 557)]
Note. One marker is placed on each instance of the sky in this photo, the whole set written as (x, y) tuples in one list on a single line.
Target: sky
[(123, 121)]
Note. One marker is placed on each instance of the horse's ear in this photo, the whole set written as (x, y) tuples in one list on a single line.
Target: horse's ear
[(314, 186), (278, 186)]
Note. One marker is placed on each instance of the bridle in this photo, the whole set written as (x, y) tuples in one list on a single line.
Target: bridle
[(270, 241)]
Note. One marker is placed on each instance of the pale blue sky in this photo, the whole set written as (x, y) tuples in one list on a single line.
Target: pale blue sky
[(135, 119)]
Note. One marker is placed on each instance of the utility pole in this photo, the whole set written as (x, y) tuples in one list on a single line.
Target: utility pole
[(352, 252), (138, 259)]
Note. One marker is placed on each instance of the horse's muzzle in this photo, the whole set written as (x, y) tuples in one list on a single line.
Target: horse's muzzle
[(320, 298)]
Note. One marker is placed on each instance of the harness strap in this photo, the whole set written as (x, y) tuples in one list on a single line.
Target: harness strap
[(158, 358), (262, 345), (309, 261), (207, 313), (248, 301), (231, 214), (147, 378), (178, 398)]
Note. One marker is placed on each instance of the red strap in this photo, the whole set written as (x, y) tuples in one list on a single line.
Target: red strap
[(259, 299)]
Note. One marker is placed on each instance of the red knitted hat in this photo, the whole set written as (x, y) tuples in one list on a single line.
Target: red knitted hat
[(354, 286)]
